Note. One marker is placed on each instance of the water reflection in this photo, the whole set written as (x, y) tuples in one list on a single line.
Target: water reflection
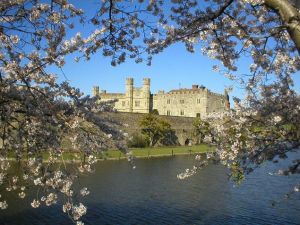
[(151, 194)]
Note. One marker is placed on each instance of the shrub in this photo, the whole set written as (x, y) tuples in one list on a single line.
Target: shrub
[(138, 141)]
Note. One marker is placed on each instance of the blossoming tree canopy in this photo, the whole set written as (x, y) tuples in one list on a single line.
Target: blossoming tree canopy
[(38, 114)]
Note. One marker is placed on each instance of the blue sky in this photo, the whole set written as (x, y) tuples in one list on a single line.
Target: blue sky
[(171, 69)]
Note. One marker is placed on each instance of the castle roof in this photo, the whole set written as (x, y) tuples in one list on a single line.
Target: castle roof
[(194, 90), (111, 93)]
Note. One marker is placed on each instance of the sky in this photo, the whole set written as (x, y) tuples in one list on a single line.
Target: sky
[(172, 69)]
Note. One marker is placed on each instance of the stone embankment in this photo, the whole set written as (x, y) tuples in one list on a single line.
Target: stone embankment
[(183, 126)]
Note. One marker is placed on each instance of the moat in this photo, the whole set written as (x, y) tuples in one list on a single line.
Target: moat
[(151, 194)]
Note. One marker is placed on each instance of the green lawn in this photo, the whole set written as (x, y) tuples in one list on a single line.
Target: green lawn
[(138, 152), (160, 151)]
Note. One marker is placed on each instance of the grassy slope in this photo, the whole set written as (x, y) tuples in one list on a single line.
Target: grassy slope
[(160, 151), (139, 152)]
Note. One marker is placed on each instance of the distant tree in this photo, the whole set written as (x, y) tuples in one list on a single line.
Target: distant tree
[(202, 130), (138, 140), (155, 128), (170, 138)]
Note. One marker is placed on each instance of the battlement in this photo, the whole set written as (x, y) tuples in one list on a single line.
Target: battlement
[(186, 91), (111, 95), (129, 81), (146, 81), (216, 94)]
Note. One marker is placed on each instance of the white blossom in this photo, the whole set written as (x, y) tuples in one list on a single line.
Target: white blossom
[(78, 211), (84, 191), (3, 205), (35, 203), (22, 195)]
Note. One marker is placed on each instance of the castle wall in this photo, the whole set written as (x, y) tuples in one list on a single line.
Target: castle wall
[(135, 100), (195, 102), (120, 104), (140, 101), (130, 123), (187, 103), (216, 103)]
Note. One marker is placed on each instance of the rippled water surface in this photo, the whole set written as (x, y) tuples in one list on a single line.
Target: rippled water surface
[(151, 194)]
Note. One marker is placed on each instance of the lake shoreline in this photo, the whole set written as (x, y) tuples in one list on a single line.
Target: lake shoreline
[(137, 153), (158, 156), (122, 158)]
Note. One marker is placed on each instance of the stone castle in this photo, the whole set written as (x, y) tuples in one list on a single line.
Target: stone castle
[(197, 101)]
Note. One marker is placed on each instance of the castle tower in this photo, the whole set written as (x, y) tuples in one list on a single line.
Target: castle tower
[(95, 91), (227, 103), (146, 83), (129, 93), (146, 93)]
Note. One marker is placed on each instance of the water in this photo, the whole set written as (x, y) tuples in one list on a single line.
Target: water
[(151, 194)]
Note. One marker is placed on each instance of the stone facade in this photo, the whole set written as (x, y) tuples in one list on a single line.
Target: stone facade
[(194, 102)]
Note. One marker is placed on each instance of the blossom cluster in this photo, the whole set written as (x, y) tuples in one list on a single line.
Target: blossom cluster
[(248, 136)]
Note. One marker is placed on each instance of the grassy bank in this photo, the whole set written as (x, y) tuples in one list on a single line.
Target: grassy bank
[(159, 151), (138, 152)]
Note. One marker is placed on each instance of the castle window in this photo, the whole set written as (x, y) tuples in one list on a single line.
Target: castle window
[(168, 101), (181, 101), (198, 100), (198, 115), (168, 112), (123, 103), (137, 103), (181, 112)]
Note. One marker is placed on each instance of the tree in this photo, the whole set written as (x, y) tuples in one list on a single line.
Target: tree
[(137, 140), (155, 129), (37, 112), (202, 130)]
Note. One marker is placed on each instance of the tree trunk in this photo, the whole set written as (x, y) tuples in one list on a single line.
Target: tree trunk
[(289, 16), (151, 142)]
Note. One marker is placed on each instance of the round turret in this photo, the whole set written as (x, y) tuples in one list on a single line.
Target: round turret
[(146, 93), (129, 93)]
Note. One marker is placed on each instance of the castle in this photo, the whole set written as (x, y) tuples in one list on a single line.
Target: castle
[(197, 101)]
